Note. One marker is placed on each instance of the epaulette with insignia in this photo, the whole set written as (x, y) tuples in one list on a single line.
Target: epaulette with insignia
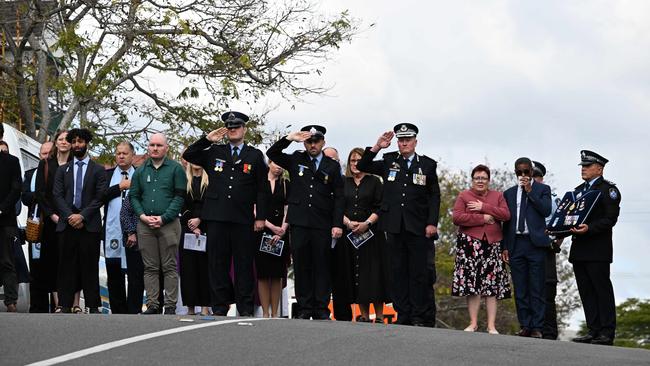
[(610, 182), (426, 157), (392, 154)]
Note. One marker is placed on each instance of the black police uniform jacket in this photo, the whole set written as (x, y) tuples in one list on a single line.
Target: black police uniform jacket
[(238, 191), (596, 244), (315, 197), (411, 195)]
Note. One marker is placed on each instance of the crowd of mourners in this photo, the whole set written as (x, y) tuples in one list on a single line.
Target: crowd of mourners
[(225, 223)]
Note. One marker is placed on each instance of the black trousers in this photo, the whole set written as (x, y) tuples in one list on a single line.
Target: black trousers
[(8, 277), (597, 296), (79, 265), (39, 295), (311, 251), (412, 267), (229, 242), (550, 314), (135, 275), (116, 285)]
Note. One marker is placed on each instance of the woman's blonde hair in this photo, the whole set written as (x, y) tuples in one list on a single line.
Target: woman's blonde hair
[(357, 150), (204, 179)]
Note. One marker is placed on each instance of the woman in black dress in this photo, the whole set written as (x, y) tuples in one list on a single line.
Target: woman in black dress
[(195, 289), (366, 273), (49, 255), (272, 269)]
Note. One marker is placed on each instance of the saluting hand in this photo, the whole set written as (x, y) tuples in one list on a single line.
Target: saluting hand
[(384, 140), (217, 135), (299, 136)]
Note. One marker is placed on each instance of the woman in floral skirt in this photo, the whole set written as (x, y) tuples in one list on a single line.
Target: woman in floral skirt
[(479, 270)]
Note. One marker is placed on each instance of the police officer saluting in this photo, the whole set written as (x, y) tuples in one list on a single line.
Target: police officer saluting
[(409, 215), (591, 252), (235, 205), (315, 216)]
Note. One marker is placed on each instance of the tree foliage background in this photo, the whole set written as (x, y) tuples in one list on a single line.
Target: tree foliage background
[(130, 67)]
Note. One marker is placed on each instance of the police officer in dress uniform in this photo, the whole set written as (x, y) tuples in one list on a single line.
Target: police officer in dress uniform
[(315, 216), (591, 252), (409, 214), (236, 204)]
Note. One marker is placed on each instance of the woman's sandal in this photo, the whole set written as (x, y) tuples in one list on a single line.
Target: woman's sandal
[(58, 309), (77, 309)]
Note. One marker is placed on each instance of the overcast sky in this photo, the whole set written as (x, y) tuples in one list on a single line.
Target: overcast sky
[(497, 80)]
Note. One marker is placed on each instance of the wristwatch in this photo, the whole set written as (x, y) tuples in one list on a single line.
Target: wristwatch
[(369, 223)]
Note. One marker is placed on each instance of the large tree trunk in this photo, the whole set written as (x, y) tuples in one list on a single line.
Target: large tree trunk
[(22, 92), (42, 88)]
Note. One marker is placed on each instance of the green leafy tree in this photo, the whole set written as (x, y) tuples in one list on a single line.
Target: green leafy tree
[(132, 67), (632, 324)]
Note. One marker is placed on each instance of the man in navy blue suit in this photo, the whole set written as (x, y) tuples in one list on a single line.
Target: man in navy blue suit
[(525, 245)]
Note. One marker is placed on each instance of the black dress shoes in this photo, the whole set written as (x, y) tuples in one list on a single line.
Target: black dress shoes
[(322, 316), (524, 332), (220, 310), (403, 321), (151, 310), (302, 315), (170, 310), (603, 340), (93, 311), (536, 334), (584, 339)]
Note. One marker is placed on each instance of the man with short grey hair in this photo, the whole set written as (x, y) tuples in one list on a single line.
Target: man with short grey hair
[(156, 193)]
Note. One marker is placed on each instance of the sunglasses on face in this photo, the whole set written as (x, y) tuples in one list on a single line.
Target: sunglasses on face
[(520, 172)]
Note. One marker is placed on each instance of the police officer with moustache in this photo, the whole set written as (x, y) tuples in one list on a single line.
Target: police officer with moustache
[(315, 216), (591, 252), (409, 214), (236, 204)]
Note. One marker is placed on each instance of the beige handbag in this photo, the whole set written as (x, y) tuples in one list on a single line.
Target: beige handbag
[(34, 227)]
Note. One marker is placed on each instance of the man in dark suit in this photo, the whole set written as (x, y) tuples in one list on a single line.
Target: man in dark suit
[(236, 204), (10, 186), (315, 216), (79, 188), (38, 293), (525, 245), (116, 248), (409, 214), (591, 252)]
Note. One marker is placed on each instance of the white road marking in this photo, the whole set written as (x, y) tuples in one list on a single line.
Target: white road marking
[(127, 341)]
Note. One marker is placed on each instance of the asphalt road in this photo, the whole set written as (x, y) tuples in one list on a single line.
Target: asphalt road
[(30, 338)]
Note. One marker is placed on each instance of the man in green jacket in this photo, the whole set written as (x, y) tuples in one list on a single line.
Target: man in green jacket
[(156, 193)]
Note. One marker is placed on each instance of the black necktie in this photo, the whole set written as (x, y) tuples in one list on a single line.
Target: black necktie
[(521, 221), (235, 153), (314, 161), (586, 187), (125, 176)]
